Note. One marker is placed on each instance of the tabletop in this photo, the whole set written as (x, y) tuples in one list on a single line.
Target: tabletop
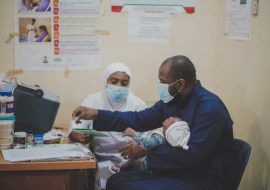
[(59, 165)]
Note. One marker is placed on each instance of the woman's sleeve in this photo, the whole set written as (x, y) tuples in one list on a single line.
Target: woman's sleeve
[(39, 38)]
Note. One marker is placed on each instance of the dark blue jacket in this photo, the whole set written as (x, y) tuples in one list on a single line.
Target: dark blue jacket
[(211, 146)]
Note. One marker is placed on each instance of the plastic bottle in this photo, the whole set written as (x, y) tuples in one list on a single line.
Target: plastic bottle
[(38, 139), (30, 137), (6, 102)]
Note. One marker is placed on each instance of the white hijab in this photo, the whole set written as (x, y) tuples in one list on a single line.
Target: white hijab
[(127, 102)]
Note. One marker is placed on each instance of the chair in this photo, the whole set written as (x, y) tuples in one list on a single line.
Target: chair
[(243, 150), (46, 39)]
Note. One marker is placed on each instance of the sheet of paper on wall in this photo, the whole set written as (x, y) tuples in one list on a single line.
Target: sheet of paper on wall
[(149, 28), (238, 19), (61, 35), (165, 6)]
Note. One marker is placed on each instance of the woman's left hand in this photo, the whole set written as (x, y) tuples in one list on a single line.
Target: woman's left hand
[(81, 138)]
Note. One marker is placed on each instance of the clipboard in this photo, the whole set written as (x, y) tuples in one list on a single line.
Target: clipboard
[(92, 132)]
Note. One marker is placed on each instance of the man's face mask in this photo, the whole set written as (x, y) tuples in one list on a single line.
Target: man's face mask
[(116, 93), (164, 93)]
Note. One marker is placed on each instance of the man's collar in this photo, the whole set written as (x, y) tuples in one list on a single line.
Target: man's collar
[(191, 94)]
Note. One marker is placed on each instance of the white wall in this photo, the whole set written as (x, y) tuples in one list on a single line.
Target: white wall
[(242, 82)]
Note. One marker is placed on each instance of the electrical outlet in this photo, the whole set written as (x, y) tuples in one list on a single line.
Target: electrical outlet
[(254, 7)]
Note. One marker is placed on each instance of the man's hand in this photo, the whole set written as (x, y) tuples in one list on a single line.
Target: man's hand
[(168, 122), (81, 138), (84, 113), (132, 151), (128, 132)]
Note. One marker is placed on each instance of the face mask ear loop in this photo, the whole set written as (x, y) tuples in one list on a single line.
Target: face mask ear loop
[(178, 90), (174, 82), (177, 93)]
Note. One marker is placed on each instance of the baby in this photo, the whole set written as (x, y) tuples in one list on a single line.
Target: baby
[(177, 135)]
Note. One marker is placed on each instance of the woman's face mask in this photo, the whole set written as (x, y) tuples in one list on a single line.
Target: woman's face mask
[(116, 93)]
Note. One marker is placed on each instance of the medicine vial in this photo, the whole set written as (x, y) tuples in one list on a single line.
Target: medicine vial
[(30, 137)]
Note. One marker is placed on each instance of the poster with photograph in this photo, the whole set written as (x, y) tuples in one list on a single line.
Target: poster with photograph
[(35, 30), (34, 6), (63, 37)]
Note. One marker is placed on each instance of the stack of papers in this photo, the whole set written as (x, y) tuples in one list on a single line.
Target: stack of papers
[(48, 152)]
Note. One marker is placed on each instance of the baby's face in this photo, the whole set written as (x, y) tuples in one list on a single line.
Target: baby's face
[(168, 122)]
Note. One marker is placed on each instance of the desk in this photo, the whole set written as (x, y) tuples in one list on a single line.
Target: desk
[(62, 175)]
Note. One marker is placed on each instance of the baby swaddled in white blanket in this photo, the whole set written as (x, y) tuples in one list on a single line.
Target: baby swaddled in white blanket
[(177, 135)]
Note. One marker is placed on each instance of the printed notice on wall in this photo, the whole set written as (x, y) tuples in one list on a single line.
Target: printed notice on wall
[(164, 6), (150, 28), (238, 19), (55, 34)]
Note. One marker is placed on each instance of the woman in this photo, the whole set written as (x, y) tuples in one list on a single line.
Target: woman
[(116, 96), (43, 33), (24, 6), (43, 5)]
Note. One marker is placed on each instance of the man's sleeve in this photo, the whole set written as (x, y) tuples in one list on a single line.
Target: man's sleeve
[(209, 120), (145, 120)]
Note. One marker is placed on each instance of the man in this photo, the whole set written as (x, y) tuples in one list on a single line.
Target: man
[(31, 29), (210, 161)]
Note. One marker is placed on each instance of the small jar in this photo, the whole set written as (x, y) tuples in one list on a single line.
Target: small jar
[(19, 138), (38, 139), (6, 102), (30, 137)]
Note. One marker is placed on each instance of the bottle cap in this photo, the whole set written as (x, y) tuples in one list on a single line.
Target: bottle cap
[(20, 134), (3, 93), (38, 135), (30, 131)]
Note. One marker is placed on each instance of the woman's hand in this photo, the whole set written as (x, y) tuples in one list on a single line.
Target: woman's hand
[(168, 122), (128, 132), (81, 138), (132, 151), (84, 113)]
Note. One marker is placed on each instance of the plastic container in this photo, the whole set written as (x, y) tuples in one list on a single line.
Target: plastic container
[(4, 146), (38, 139), (6, 124), (5, 140), (6, 102), (19, 138), (5, 133)]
